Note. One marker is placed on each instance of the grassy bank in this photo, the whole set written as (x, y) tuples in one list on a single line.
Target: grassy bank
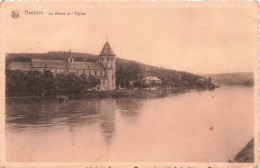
[(246, 154)]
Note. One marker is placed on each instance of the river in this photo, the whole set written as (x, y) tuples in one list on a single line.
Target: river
[(194, 126)]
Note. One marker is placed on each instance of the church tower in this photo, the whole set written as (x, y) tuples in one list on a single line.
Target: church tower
[(108, 60)]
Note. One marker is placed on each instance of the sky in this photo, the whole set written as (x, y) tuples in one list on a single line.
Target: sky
[(202, 38)]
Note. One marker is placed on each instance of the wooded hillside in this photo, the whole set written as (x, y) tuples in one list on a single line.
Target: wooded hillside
[(126, 70), (238, 78)]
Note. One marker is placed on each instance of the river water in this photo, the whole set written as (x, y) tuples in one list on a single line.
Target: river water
[(194, 126)]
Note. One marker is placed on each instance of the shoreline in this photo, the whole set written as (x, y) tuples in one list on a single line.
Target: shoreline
[(109, 94)]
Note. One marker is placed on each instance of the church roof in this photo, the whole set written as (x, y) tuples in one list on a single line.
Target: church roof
[(86, 65), (45, 63), (25, 66), (107, 50)]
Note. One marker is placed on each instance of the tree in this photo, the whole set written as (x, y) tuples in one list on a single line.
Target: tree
[(72, 83), (35, 82), (84, 82), (209, 80), (48, 81), (141, 84), (16, 82), (127, 73), (59, 83), (93, 82)]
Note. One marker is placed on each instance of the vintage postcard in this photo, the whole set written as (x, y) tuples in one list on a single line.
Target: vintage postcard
[(131, 84)]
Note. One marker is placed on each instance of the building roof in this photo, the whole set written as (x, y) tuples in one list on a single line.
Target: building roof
[(155, 78), (86, 65), (46, 63), (25, 66), (107, 50)]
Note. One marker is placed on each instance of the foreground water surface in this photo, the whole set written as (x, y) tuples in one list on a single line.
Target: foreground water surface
[(192, 126)]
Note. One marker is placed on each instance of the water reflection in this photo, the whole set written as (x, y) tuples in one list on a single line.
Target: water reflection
[(107, 110), (51, 114), (47, 116), (128, 108), (98, 129)]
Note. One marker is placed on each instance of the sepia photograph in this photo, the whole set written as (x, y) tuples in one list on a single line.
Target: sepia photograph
[(129, 82)]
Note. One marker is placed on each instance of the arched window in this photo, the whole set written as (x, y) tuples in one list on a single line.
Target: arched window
[(100, 73), (107, 59), (111, 59), (95, 73), (89, 72), (84, 71)]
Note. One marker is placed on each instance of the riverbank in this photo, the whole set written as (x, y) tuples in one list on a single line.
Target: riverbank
[(110, 94), (246, 154)]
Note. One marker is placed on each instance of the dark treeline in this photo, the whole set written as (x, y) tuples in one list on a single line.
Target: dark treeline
[(36, 83), (130, 74)]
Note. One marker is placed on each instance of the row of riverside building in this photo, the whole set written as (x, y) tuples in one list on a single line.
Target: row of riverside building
[(104, 69)]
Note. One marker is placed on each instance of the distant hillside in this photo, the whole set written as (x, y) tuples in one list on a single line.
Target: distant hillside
[(239, 78), (84, 57), (126, 70), (25, 57)]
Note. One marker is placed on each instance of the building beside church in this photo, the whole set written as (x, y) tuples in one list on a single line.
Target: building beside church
[(103, 69)]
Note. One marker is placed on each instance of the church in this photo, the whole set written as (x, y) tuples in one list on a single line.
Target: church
[(103, 69)]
